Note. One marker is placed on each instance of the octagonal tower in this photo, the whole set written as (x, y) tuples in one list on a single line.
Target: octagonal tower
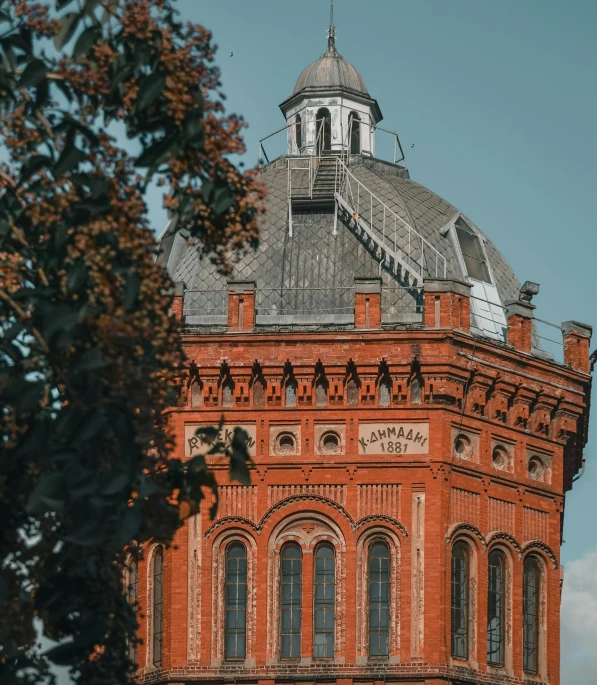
[(413, 445)]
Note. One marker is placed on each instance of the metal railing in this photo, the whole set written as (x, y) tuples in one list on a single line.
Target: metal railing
[(391, 229), (324, 306)]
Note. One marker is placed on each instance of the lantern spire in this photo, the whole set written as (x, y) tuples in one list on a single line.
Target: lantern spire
[(332, 30)]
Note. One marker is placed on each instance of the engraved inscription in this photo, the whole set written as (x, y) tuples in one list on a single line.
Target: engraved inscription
[(393, 438), (196, 445)]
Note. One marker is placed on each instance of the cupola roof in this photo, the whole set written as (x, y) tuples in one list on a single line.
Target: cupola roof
[(331, 70)]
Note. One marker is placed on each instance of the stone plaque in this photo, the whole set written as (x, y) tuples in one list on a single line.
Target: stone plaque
[(194, 445), (393, 438)]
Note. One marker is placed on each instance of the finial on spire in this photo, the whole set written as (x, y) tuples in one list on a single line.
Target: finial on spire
[(332, 29)]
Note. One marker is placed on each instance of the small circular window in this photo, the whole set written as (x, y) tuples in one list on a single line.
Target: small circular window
[(286, 443), (536, 468), (330, 442), (463, 447), (499, 458)]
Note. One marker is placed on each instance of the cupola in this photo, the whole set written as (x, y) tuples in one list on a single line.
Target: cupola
[(330, 109)]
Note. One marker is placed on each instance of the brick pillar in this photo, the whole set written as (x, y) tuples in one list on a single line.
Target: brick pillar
[(176, 310), (577, 337), (520, 325), (367, 302), (447, 304), (241, 305)]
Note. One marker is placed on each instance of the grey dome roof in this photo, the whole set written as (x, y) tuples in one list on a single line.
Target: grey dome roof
[(330, 70), (315, 268)]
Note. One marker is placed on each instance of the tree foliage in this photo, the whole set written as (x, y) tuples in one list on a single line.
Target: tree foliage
[(89, 357)]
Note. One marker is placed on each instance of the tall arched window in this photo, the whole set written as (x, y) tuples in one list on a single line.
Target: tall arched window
[(323, 129), (496, 604), (531, 586), (290, 601), (298, 132), (132, 594), (158, 599), (236, 601), (324, 604), (459, 600), (354, 126), (379, 600)]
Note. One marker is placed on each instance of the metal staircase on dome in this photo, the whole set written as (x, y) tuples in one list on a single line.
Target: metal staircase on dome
[(328, 185)]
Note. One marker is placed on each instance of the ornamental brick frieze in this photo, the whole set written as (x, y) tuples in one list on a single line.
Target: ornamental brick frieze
[(257, 526)]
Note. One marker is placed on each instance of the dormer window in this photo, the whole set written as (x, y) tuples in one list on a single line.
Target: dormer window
[(472, 252)]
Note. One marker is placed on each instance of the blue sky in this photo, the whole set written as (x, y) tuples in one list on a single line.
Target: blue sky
[(499, 99)]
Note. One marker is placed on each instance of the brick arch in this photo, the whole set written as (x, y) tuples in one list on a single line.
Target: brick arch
[(542, 550), (315, 501), (381, 520), (286, 526), (468, 532), (218, 581), (365, 540), (506, 540)]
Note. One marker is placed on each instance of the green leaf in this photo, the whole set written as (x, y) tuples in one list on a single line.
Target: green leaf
[(92, 360), (69, 23), (131, 291), (154, 155), (130, 525), (64, 654), (115, 483), (34, 72), (48, 495), (34, 164), (61, 4), (151, 88), (24, 395), (71, 157), (76, 277), (223, 199), (85, 41), (239, 457), (90, 7), (207, 433)]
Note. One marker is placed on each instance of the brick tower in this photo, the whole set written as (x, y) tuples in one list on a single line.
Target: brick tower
[(412, 443)]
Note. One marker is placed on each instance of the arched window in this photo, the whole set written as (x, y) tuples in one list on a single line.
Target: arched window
[(227, 393), (531, 586), (323, 130), (496, 604), (324, 592), (379, 600), (354, 126), (291, 393), (258, 393), (132, 595), (290, 601), (298, 132), (236, 601), (321, 394), (384, 393), (459, 600), (158, 598), (352, 393)]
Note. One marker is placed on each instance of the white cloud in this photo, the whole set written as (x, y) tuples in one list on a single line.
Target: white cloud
[(579, 620)]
